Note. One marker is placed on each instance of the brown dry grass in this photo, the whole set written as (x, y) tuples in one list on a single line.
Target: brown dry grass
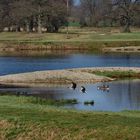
[(4, 126), (22, 120), (43, 132)]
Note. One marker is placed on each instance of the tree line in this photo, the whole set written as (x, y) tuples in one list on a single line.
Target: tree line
[(33, 15), (103, 13), (50, 15)]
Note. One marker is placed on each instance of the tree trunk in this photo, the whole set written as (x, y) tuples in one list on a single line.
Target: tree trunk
[(39, 20), (18, 28), (91, 21), (56, 28), (9, 29), (27, 26), (126, 28), (31, 24), (1, 29)]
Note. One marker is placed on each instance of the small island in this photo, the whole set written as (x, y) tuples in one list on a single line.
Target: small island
[(67, 76)]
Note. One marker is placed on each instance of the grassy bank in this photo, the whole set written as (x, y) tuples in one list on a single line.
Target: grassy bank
[(41, 101), (118, 74), (77, 39), (24, 120)]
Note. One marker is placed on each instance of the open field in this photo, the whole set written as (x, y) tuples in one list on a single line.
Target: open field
[(76, 34), (78, 38), (24, 120), (61, 37)]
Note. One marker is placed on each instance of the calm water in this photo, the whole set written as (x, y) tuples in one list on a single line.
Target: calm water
[(123, 95), (10, 65)]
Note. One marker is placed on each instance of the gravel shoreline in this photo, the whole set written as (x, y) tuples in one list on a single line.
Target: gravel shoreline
[(59, 77)]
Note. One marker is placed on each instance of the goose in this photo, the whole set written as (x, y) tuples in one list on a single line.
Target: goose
[(104, 88), (83, 89), (73, 85)]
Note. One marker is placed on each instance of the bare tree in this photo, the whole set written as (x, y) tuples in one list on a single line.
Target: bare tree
[(5, 13), (126, 11), (95, 11), (90, 11)]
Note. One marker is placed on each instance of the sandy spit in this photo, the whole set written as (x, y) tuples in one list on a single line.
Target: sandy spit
[(59, 77)]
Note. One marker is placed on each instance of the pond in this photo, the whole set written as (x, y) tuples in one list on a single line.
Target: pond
[(20, 64), (123, 95)]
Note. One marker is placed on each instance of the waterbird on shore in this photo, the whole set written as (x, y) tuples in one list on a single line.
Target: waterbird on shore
[(83, 89)]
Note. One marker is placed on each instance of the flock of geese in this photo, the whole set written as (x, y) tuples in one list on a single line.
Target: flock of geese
[(83, 89), (103, 88), (74, 86)]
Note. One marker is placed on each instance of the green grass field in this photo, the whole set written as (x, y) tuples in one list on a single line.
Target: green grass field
[(81, 38), (24, 120), (76, 34)]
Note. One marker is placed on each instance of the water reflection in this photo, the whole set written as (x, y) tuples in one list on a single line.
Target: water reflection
[(123, 95)]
